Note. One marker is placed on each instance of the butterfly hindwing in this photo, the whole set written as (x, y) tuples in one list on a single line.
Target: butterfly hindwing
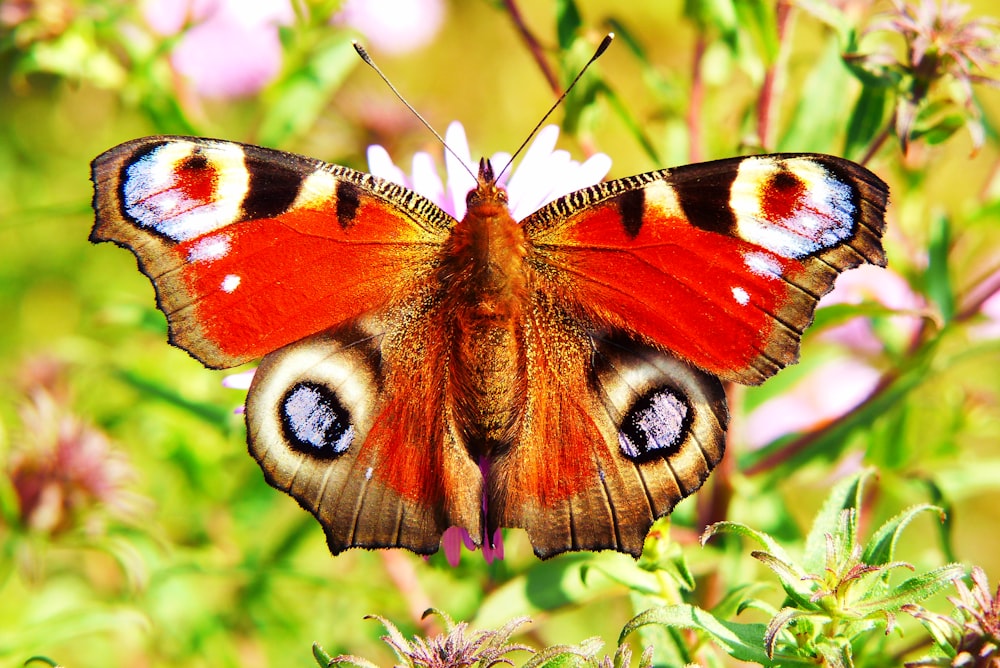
[(721, 263), (250, 249), (615, 433), (356, 427)]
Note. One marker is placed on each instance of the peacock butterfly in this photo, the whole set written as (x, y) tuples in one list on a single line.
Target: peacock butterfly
[(562, 374)]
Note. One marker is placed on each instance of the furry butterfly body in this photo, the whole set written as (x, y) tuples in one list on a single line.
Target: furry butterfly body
[(561, 374)]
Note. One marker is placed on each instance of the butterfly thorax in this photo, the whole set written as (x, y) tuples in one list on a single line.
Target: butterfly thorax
[(483, 274)]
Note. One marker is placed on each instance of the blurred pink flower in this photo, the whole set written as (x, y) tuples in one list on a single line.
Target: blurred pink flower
[(845, 382), (393, 26), (989, 327), (824, 395), (876, 285), (229, 48), (64, 472)]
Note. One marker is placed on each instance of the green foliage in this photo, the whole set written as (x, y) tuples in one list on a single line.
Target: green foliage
[(156, 541)]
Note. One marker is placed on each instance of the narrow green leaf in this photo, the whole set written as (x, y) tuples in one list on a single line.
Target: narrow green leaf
[(882, 545), (757, 20), (823, 105), (217, 416), (914, 590), (939, 286), (568, 23), (558, 656), (741, 641), (784, 617), (845, 495), (633, 126), (867, 119), (321, 656), (793, 580)]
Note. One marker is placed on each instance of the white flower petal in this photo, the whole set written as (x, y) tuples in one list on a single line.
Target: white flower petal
[(381, 165), (426, 179), (460, 179), (533, 161)]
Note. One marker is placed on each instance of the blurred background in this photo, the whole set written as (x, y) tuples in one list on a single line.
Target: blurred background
[(136, 530)]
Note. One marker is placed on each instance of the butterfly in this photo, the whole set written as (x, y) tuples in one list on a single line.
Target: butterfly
[(562, 374)]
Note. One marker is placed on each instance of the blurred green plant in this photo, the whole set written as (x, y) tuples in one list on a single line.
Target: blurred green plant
[(222, 571)]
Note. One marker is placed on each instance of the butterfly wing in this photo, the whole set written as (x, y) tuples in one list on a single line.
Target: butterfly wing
[(721, 263), (615, 433), (654, 287), (328, 274), (250, 249)]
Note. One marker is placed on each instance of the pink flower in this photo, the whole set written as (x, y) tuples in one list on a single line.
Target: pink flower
[(65, 473), (878, 285), (393, 26), (824, 395), (229, 48)]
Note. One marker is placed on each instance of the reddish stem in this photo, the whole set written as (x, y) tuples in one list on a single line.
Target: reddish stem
[(695, 150), (770, 91), (534, 46), (399, 568)]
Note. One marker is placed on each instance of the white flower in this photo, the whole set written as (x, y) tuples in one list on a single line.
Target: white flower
[(543, 175)]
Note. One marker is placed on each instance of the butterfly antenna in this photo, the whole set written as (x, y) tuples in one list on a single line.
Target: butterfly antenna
[(605, 43), (371, 63)]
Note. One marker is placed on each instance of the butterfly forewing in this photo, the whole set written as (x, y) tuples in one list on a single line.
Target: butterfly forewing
[(251, 249), (721, 263)]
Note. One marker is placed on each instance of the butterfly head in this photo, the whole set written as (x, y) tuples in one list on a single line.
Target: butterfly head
[(487, 198)]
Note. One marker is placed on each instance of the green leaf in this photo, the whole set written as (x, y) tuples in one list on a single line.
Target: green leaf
[(845, 495), (937, 276), (568, 23), (867, 119), (215, 415), (793, 580), (321, 656), (882, 545), (757, 20), (741, 641), (558, 656), (548, 585), (914, 590), (631, 124), (822, 108), (299, 99), (831, 15)]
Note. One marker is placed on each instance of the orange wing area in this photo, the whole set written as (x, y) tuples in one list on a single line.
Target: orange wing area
[(298, 274), (673, 286)]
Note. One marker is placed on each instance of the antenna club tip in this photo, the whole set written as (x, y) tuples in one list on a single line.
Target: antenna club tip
[(605, 43), (361, 51)]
